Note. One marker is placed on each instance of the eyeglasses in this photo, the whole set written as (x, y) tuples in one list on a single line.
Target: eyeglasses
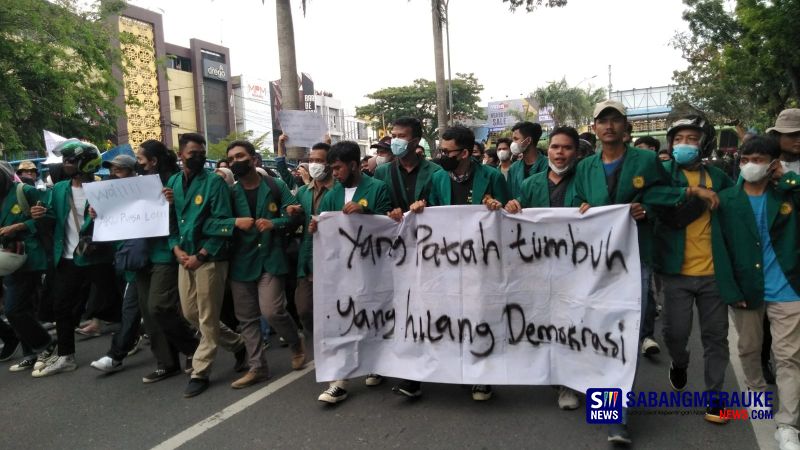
[(444, 151)]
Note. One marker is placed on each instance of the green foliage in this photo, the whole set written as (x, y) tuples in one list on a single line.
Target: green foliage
[(220, 149), (530, 5), (55, 72), (419, 100), (743, 64), (571, 105)]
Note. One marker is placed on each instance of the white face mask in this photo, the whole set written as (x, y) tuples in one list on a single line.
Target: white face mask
[(317, 171), (791, 166), (380, 160), (503, 155), (517, 148), (753, 173), (558, 171)]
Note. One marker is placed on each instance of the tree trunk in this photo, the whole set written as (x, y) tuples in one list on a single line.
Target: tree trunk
[(290, 91), (438, 53)]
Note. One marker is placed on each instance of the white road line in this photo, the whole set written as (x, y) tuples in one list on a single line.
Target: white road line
[(763, 429), (217, 418)]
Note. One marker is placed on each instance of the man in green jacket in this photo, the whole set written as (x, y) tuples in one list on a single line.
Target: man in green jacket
[(462, 181), (555, 187), (621, 174), (76, 262), (525, 137), (354, 193), (760, 226), (258, 263), (787, 132), (19, 230), (685, 238), (201, 208)]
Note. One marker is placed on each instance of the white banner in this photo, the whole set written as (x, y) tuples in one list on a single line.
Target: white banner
[(304, 128), (468, 296), (128, 208)]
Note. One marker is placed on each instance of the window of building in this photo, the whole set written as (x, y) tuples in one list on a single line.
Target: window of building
[(178, 103)]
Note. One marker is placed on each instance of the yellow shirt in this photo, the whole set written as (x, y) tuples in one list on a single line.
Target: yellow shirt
[(697, 259)]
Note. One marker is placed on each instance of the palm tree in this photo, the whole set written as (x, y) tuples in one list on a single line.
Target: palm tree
[(571, 105)]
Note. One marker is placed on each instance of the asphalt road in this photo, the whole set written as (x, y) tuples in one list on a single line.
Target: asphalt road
[(86, 409)]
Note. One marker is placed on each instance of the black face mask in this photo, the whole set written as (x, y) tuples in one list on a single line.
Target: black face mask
[(448, 164), (195, 163), (139, 169), (28, 181), (240, 168)]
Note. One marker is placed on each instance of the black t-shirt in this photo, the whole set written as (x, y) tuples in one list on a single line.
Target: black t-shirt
[(252, 200), (558, 192), (409, 182), (461, 193)]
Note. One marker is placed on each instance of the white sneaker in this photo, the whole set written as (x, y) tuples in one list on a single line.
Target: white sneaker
[(107, 364), (650, 347), (45, 358), (567, 398), (60, 364), (787, 438)]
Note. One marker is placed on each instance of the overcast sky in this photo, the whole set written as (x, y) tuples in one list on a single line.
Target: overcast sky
[(354, 47)]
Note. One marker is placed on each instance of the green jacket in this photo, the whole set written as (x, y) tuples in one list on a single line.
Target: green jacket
[(255, 253), (516, 173), (371, 194), (284, 172), (60, 209), (670, 243), (422, 189), (199, 215), (535, 192), (744, 278), (642, 179), (306, 254), (11, 213), (486, 180)]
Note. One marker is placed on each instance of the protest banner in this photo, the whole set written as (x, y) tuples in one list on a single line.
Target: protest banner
[(465, 295), (304, 128), (128, 208)]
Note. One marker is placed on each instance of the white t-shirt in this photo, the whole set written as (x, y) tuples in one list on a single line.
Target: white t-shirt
[(71, 231), (793, 166), (349, 193)]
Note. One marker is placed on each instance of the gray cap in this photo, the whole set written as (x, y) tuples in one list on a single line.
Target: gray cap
[(788, 122), (121, 161)]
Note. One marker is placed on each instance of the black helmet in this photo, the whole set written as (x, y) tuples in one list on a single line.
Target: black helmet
[(87, 156), (693, 118)]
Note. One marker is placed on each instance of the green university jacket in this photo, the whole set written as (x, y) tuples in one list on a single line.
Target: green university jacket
[(642, 179), (744, 278), (60, 209), (535, 192), (422, 189), (306, 198), (670, 243), (516, 173), (11, 213), (486, 180), (199, 215), (371, 194), (255, 253)]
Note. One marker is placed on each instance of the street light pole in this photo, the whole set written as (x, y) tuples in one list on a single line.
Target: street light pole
[(449, 76)]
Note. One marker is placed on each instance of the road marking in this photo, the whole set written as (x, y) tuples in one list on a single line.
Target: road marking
[(763, 429), (217, 418)]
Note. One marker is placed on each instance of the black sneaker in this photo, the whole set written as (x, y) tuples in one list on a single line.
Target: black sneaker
[(160, 374), (241, 360), (677, 377), (27, 363), (195, 387), (481, 392), (10, 348), (332, 395), (618, 434), (714, 413), (188, 370), (409, 388)]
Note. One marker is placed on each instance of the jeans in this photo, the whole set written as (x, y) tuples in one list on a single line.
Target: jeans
[(20, 287), (69, 279), (124, 340)]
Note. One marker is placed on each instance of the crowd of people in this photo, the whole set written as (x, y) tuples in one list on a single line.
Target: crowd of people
[(242, 236)]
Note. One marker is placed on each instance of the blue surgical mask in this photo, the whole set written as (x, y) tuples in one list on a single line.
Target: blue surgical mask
[(399, 146), (685, 154)]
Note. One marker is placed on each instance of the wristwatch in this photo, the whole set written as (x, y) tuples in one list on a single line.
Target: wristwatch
[(202, 257)]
